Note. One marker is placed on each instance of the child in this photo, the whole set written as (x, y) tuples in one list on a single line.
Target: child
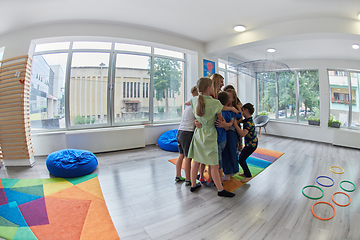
[(204, 147), (184, 136), (222, 127), (238, 105), (251, 141), (230, 157)]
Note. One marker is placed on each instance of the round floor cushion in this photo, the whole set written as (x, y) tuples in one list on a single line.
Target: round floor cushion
[(167, 141), (69, 163)]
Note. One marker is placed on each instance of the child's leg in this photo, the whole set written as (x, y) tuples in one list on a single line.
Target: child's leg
[(187, 168), (217, 180), (245, 153), (179, 162), (201, 172), (194, 170), (216, 177)]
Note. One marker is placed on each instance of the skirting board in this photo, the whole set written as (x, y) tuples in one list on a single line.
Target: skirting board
[(19, 162)]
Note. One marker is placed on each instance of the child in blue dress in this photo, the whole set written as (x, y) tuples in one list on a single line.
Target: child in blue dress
[(204, 147)]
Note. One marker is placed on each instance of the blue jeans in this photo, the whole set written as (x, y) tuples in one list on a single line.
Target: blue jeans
[(221, 147)]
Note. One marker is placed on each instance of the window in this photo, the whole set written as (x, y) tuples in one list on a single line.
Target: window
[(88, 88), (47, 98), (289, 96), (134, 69), (109, 83), (168, 77), (309, 96), (344, 106), (267, 94)]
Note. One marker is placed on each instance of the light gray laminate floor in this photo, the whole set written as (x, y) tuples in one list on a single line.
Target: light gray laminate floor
[(145, 202)]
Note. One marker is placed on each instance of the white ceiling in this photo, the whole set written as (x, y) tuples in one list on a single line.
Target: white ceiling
[(206, 21)]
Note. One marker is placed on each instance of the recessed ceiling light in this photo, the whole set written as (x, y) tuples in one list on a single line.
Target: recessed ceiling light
[(239, 28), (271, 50), (355, 46)]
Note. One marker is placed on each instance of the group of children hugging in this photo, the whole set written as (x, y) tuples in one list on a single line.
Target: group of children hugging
[(210, 134)]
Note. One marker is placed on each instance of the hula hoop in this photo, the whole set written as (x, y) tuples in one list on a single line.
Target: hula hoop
[(337, 167), (341, 205), (324, 184), (312, 197), (324, 219), (347, 189)]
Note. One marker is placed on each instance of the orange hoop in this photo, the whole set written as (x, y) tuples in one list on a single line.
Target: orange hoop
[(341, 205), (312, 211)]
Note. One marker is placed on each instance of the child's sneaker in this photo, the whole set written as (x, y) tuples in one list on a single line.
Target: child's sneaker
[(188, 182), (179, 179), (210, 183), (203, 181)]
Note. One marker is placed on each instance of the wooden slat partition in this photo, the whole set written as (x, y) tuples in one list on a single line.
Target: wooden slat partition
[(15, 131)]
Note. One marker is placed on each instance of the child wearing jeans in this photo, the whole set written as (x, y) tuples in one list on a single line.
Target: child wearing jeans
[(251, 141), (204, 147)]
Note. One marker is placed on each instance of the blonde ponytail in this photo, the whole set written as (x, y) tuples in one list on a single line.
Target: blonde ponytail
[(202, 85)]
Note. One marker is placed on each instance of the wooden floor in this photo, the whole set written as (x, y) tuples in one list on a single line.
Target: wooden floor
[(145, 202)]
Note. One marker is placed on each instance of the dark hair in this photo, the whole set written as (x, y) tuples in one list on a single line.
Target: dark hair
[(228, 87), (249, 107), (223, 97)]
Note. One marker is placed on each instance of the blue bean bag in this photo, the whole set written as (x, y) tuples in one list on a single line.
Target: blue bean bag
[(69, 163), (167, 141)]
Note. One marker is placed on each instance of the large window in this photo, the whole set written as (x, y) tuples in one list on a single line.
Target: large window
[(344, 98), (84, 84), (289, 96)]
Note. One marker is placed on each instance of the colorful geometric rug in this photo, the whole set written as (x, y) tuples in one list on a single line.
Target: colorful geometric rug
[(54, 208), (257, 162)]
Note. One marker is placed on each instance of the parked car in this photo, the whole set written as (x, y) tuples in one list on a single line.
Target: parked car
[(308, 113), (282, 113)]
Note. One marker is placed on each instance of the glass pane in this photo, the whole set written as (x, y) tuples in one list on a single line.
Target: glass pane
[(287, 96), (1, 53), (309, 97), (267, 94), (168, 89), (222, 65), (47, 108), (52, 46), (132, 82), (132, 47), (339, 95), (88, 88), (232, 79), (92, 45), (355, 118), (169, 53)]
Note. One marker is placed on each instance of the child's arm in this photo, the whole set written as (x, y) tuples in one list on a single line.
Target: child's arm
[(197, 124), (224, 124), (242, 132), (187, 103), (228, 108), (220, 116)]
